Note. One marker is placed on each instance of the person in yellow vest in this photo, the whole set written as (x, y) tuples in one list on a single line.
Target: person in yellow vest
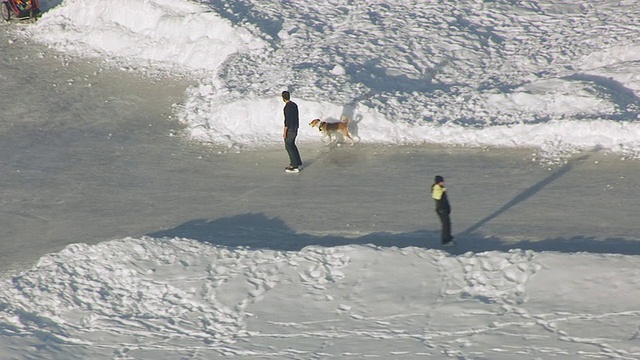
[(443, 209)]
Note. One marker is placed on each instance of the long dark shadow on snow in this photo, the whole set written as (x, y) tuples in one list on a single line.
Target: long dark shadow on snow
[(625, 99), (257, 231), (528, 193)]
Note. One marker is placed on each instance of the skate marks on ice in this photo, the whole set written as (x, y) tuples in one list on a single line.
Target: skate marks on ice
[(139, 297)]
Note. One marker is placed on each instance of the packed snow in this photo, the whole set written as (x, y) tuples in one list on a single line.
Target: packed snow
[(177, 298), (559, 77)]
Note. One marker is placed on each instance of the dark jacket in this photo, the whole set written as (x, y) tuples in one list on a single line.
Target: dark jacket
[(291, 120), (439, 194)]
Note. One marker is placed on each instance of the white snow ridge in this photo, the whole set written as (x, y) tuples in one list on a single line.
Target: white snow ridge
[(142, 298), (174, 293)]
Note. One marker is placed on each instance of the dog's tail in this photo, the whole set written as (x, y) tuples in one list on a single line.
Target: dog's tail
[(345, 119)]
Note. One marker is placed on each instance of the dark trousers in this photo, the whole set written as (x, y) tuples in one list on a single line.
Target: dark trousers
[(446, 226), (292, 149)]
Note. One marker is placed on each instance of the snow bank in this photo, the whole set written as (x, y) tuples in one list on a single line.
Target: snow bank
[(464, 73)]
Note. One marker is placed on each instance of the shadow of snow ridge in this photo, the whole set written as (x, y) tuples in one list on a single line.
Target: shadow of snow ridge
[(257, 231), (625, 99)]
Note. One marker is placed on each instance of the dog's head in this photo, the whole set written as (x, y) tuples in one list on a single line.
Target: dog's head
[(315, 123)]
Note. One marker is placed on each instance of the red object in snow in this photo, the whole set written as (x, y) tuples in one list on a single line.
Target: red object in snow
[(20, 9)]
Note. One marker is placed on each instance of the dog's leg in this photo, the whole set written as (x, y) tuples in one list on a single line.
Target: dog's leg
[(350, 138), (345, 134)]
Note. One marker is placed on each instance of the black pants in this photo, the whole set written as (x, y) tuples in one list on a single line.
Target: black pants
[(446, 226), (292, 149)]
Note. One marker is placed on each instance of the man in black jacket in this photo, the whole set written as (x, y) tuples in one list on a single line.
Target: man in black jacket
[(443, 209), (291, 124)]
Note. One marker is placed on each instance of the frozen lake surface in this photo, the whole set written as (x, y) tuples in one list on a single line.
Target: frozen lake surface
[(91, 157), (125, 239)]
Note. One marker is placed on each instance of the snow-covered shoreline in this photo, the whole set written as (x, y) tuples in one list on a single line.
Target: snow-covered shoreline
[(543, 75)]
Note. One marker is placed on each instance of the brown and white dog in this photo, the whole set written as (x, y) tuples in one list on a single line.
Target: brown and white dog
[(330, 128)]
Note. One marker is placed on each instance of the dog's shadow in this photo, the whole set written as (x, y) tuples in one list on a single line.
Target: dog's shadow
[(349, 110), (354, 126)]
